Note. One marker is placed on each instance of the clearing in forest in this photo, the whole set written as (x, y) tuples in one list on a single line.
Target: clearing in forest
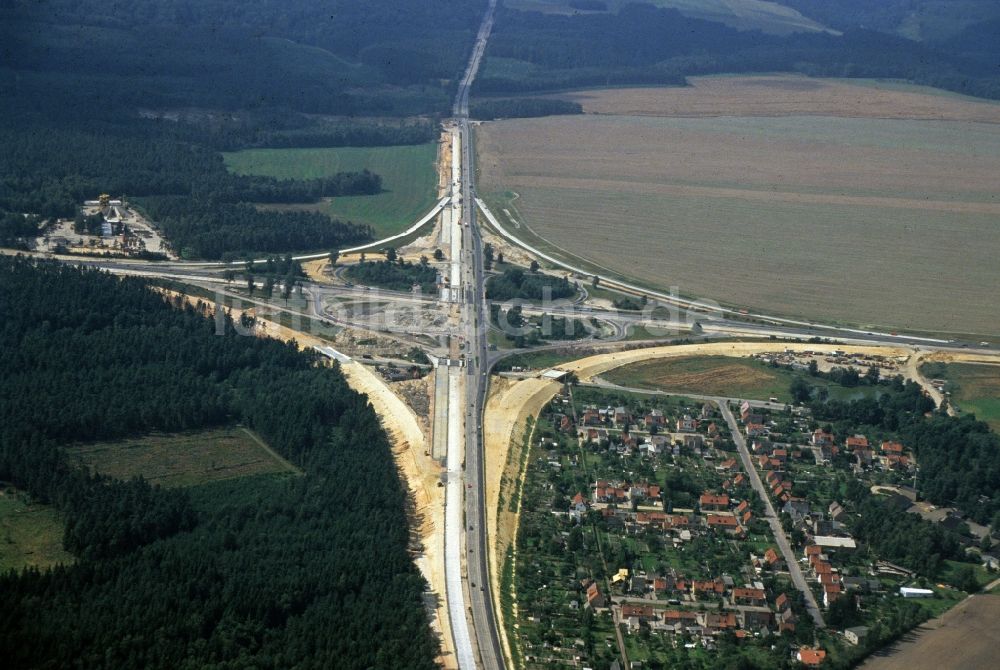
[(30, 533), (184, 459)]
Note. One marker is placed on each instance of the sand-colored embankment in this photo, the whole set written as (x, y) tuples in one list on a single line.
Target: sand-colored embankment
[(417, 469), (912, 369), (960, 357), (315, 270), (508, 408), (421, 475), (444, 162), (587, 368)]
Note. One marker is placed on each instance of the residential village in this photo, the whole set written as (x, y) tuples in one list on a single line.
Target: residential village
[(653, 527)]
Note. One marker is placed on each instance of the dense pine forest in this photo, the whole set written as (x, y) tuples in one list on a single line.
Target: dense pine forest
[(204, 210), (274, 571), (644, 44), (513, 108), (375, 58), (139, 97)]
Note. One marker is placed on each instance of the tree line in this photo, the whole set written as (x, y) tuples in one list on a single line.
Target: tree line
[(50, 173), (512, 108), (230, 231), (306, 571), (185, 188), (643, 44)]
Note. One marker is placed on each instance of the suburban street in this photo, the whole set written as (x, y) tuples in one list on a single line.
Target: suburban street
[(772, 518), (458, 317), (674, 349)]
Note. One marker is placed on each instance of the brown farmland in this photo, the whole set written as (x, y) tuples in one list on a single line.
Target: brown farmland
[(784, 95), (963, 638), (872, 221)]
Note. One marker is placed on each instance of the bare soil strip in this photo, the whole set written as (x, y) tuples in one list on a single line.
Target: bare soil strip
[(965, 637), (507, 411), (888, 224), (784, 95)]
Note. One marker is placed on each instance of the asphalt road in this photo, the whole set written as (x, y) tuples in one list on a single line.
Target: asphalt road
[(473, 593), (710, 311), (473, 334), (772, 518), (708, 323)]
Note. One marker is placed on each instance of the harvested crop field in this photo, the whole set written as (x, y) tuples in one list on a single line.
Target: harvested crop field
[(871, 221), (964, 638), (769, 17), (785, 95)]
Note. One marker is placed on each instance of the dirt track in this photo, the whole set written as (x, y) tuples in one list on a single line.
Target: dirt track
[(586, 368)]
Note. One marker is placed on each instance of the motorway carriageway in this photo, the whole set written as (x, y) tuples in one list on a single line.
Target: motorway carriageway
[(454, 523)]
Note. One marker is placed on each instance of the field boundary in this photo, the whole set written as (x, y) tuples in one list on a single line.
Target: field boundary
[(275, 455)]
